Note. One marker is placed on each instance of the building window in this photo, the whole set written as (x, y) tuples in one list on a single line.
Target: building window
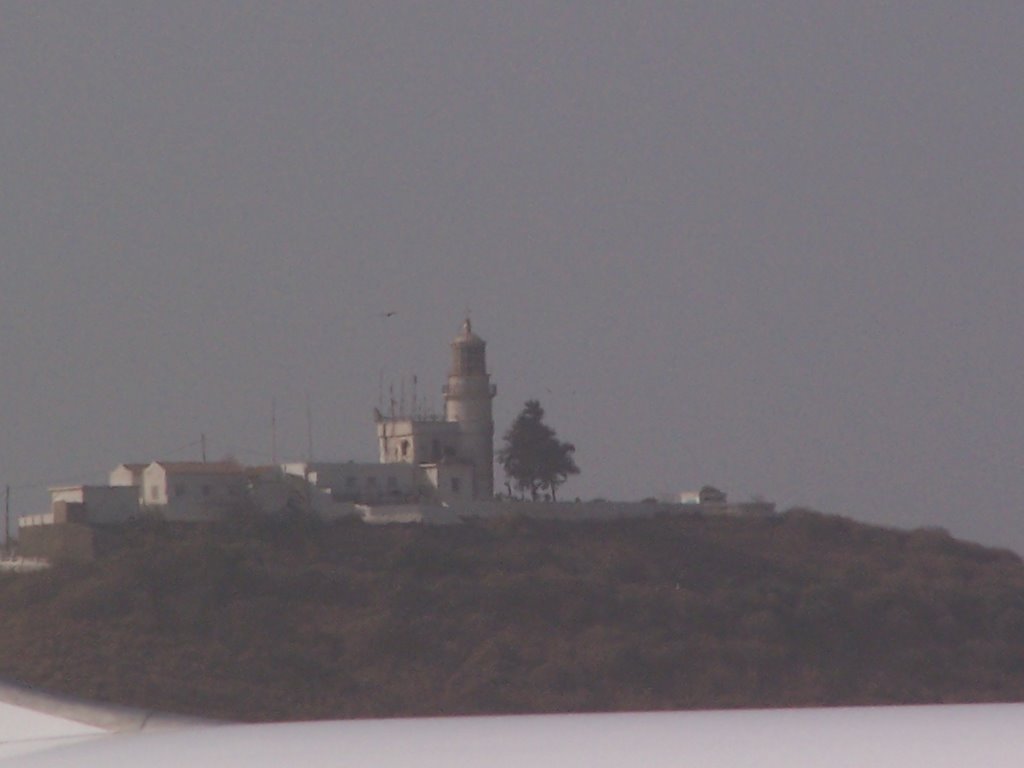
[(154, 492), (456, 485), (405, 449)]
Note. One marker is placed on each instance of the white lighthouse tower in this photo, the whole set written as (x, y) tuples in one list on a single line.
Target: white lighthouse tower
[(467, 402)]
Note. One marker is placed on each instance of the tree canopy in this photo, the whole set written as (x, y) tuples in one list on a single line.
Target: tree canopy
[(533, 458)]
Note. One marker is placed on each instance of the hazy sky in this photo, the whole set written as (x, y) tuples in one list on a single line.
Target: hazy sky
[(775, 247)]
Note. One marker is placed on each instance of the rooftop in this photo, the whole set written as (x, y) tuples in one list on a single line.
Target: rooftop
[(201, 467)]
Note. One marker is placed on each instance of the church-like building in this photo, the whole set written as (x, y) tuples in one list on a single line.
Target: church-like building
[(424, 458), (455, 454)]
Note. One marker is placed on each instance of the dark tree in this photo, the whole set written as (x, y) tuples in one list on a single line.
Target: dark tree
[(533, 458)]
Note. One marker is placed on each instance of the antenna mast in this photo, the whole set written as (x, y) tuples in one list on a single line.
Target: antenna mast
[(273, 430), (309, 430)]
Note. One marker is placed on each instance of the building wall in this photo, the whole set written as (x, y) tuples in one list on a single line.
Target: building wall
[(26, 521), (468, 405), (448, 483), (360, 481), (101, 503), (465, 435), (563, 510), (467, 402), (127, 474), (196, 495), (416, 441), (73, 494), (280, 493), (392, 514)]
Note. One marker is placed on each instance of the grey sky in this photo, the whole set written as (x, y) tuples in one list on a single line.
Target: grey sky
[(776, 247)]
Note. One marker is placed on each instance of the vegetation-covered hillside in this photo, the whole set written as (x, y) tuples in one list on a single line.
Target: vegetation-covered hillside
[(273, 620)]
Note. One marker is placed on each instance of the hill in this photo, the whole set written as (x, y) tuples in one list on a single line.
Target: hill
[(268, 619)]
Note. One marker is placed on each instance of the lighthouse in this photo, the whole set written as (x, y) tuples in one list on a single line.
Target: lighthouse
[(467, 402)]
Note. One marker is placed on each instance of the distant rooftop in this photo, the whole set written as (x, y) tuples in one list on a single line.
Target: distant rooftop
[(201, 467)]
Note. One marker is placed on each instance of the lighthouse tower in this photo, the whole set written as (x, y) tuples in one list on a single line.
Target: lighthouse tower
[(467, 402)]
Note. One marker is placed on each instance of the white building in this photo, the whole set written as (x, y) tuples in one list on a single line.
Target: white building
[(193, 490), (128, 475), (97, 504), (363, 482), (455, 453), (708, 494), (387, 483), (423, 460)]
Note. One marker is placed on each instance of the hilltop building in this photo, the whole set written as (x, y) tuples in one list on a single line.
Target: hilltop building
[(192, 490), (456, 453), (423, 458), (431, 468)]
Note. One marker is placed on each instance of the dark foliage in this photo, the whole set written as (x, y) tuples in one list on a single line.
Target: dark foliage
[(533, 458), (277, 619)]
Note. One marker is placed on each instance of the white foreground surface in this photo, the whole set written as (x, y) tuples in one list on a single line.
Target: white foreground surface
[(32, 720), (982, 735), (25, 730)]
